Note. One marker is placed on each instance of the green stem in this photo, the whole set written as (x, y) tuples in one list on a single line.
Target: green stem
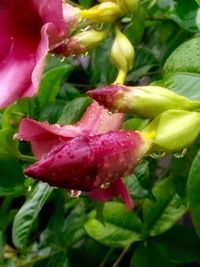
[(124, 251), (1, 249), (102, 264), (121, 77), (27, 158)]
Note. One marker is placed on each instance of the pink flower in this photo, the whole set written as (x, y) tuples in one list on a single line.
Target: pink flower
[(25, 30), (92, 163), (89, 156), (47, 139)]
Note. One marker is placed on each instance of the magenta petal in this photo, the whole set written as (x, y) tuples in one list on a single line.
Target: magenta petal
[(106, 95), (24, 45), (97, 120), (71, 165), (44, 136), (116, 189)]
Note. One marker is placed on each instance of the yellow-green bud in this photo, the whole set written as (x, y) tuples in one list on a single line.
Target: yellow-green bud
[(174, 130), (122, 52), (146, 101), (128, 6), (104, 12)]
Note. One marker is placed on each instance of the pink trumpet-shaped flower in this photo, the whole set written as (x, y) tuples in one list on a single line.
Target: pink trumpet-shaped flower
[(92, 163), (25, 30), (47, 140)]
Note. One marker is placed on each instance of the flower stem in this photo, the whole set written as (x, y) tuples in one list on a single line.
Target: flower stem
[(106, 258), (124, 251), (27, 158), (120, 77)]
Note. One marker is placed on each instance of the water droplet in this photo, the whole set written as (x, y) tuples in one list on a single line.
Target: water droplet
[(180, 154), (110, 112), (62, 59), (75, 193), (105, 185), (157, 155)]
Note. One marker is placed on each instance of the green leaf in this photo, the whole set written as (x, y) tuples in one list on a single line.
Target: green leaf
[(149, 255), (193, 188), (134, 124), (186, 15), (74, 110), (189, 52), (50, 84), (144, 61), (121, 228), (59, 260), (182, 70), (135, 29), (179, 160), (14, 113), (161, 214), (102, 71), (52, 111), (135, 188), (8, 146), (27, 214), (198, 2), (180, 244), (11, 176)]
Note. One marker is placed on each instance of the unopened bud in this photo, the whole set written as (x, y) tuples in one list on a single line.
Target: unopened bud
[(122, 52), (104, 12), (174, 130), (79, 43), (146, 101), (128, 6)]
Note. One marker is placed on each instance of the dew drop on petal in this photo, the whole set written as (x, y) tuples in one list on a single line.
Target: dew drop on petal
[(105, 185)]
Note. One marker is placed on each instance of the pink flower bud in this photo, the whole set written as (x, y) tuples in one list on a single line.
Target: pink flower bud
[(146, 101)]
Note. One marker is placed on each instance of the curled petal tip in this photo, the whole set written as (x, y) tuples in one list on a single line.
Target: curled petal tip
[(105, 95)]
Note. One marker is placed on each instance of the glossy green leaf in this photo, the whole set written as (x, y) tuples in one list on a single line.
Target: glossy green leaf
[(186, 15), (189, 52), (183, 76), (193, 188), (73, 110), (50, 84), (11, 176), (162, 213), (120, 228), (27, 214), (149, 255), (180, 244)]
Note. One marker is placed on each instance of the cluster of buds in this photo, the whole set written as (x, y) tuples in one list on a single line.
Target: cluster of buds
[(175, 120)]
